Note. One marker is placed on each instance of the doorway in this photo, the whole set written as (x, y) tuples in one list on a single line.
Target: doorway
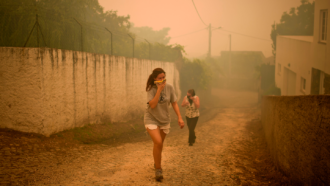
[(289, 82)]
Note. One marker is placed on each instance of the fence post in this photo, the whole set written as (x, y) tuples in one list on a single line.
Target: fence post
[(42, 35), (133, 43), (30, 34), (37, 30), (111, 39), (149, 47), (82, 46)]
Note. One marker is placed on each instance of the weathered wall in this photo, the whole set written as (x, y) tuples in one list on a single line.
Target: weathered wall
[(50, 90), (297, 130)]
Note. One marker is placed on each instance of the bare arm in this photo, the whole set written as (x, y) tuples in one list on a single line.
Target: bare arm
[(184, 102), (153, 103), (177, 111), (196, 102)]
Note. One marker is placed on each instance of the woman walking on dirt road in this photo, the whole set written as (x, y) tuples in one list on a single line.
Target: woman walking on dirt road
[(191, 102), (157, 118)]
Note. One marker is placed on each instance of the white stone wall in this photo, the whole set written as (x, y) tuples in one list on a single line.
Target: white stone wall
[(50, 90)]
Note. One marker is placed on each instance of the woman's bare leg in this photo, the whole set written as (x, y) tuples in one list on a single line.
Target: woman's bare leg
[(158, 137), (163, 135)]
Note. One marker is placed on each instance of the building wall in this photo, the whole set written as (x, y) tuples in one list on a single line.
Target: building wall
[(321, 51), (50, 90), (294, 55), (316, 81), (297, 131)]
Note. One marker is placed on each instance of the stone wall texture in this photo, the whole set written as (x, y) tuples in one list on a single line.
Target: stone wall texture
[(297, 130), (45, 90)]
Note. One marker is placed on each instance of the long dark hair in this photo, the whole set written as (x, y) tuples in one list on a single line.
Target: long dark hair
[(152, 76), (192, 92)]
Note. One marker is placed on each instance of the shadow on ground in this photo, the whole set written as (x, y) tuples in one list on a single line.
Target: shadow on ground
[(253, 153)]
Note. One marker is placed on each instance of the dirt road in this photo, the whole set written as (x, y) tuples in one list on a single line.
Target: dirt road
[(226, 152), (208, 162)]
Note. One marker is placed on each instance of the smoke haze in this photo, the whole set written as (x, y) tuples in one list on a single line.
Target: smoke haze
[(253, 18)]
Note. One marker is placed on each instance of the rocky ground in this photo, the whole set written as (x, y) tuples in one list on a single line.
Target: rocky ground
[(230, 150)]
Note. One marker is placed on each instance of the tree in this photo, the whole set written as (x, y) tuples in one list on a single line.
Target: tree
[(299, 21), (77, 25), (58, 25), (195, 74), (151, 35)]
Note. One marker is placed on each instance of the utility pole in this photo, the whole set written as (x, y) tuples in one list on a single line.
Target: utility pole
[(274, 45), (210, 35), (228, 78), (229, 55)]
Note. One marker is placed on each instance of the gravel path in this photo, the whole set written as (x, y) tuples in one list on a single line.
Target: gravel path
[(208, 162), (221, 155)]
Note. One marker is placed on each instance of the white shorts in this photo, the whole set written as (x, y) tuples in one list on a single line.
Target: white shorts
[(166, 128)]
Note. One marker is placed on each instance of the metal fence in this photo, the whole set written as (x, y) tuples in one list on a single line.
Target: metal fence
[(42, 30)]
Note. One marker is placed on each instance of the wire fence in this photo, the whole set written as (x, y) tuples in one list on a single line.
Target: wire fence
[(47, 29)]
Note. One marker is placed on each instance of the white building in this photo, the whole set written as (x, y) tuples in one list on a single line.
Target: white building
[(303, 62)]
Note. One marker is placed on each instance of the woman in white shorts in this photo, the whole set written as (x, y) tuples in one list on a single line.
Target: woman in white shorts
[(157, 118)]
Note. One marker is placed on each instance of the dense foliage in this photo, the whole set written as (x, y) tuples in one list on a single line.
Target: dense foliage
[(76, 25), (196, 74), (299, 21), (151, 35)]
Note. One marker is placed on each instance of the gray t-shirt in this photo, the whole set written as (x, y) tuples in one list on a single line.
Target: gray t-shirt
[(160, 114)]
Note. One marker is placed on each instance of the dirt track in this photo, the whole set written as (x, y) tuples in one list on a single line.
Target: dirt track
[(228, 151)]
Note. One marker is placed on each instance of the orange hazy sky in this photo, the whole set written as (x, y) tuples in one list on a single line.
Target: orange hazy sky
[(253, 17)]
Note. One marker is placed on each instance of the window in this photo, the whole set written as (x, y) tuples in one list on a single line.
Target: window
[(279, 68), (303, 84), (323, 25)]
